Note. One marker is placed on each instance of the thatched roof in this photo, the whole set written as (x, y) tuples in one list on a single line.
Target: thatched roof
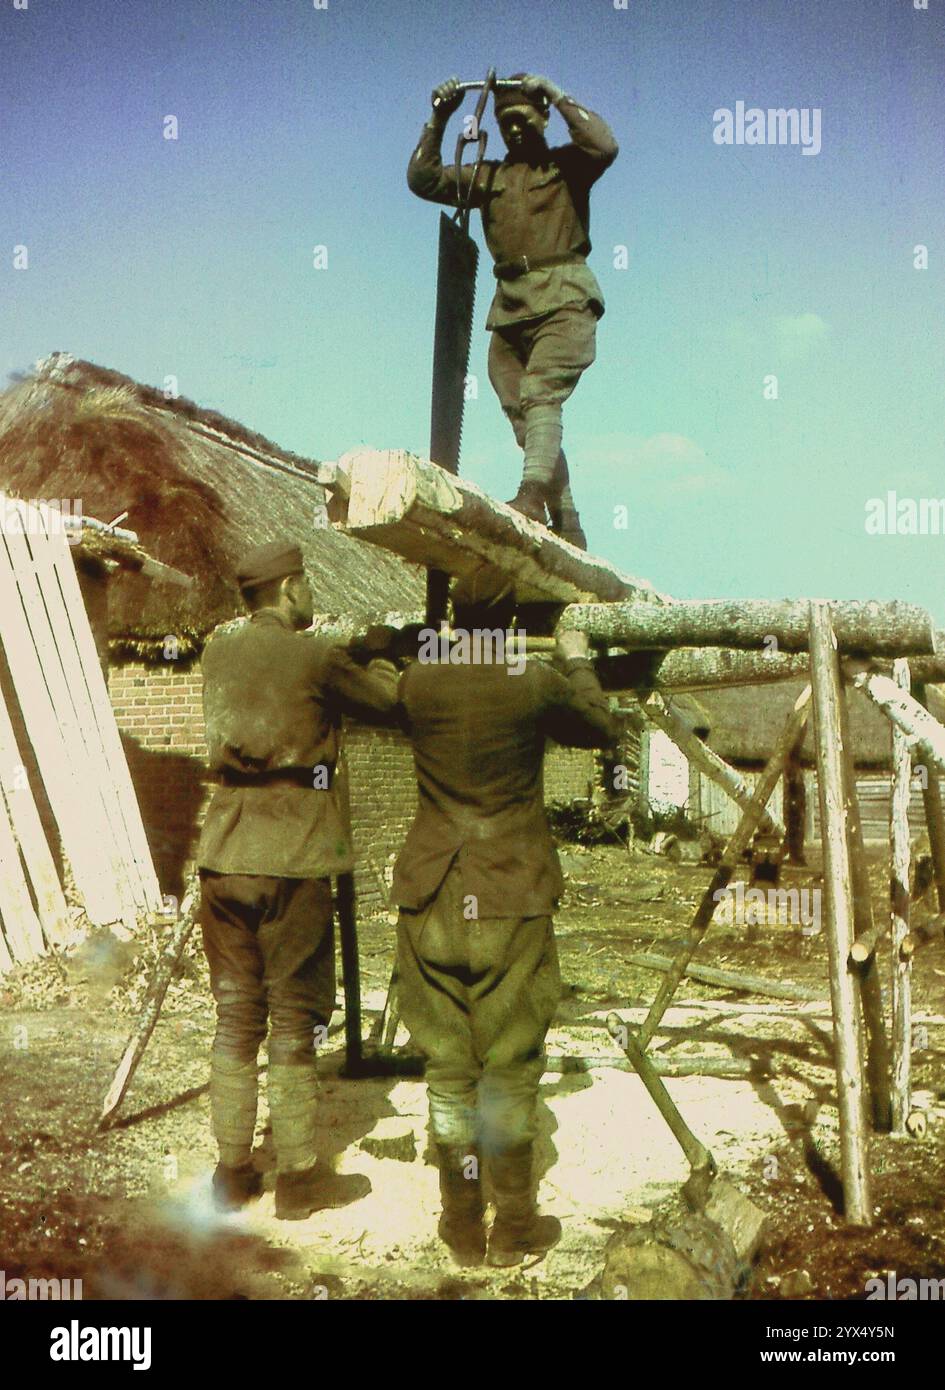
[(746, 721), (199, 490)]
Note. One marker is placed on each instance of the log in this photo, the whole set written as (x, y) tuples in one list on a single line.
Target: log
[(934, 814), (899, 907), (429, 516), (825, 675), (731, 854), (688, 1257), (698, 668), (733, 1068), (666, 718), (881, 629), (871, 999), (924, 735), (728, 979)]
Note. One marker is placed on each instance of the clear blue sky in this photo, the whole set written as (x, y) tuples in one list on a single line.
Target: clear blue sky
[(194, 258)]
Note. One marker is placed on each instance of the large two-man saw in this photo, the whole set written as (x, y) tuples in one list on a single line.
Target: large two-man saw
[(457, 262)]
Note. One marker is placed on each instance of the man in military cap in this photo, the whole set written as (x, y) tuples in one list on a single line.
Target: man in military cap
[(275, 831), (535, 216), (476, 882)]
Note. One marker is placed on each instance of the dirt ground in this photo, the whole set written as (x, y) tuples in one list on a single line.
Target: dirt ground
[(129, 1211)]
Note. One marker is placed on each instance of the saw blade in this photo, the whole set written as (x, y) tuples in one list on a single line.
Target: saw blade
[(455, 301)]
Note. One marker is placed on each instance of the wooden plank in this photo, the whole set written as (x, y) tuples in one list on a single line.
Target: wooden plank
[(122, 787), (891, 629), (24, 935), (96, 781), (409, 505), (29, 832), (825, 678), (899, 910), (54, 741)]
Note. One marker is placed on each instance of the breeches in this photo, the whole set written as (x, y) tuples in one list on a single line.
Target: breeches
[(540, 361), (271, 951), (478, 997)]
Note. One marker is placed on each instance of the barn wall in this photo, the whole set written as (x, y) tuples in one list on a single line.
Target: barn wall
[(721, 815), (158, 710)]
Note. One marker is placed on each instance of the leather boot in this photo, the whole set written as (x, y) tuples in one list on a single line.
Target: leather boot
[(318, 1188), (460, 1226), (530, 501), (234, 1187), (567, 525), (518, 1230)]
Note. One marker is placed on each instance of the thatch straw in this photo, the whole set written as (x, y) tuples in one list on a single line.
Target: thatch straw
[(199, 491)]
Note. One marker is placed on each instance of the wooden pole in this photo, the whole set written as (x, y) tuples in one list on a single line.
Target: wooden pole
[(751, 817), (662, 714), (351, 971), (924, 734), (901, 965), (164, 969), (871, 996), (934, 814), (825, 673)]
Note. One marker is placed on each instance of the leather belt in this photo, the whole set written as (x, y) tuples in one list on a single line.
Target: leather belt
[(520, 265)]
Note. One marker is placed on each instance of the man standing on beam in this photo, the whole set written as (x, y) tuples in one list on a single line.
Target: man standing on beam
[(535, 216)]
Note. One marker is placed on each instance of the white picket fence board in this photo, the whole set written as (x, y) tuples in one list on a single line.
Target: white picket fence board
[(65, 677), (135, 841), (28, 829), (55, 742), (24, 935)]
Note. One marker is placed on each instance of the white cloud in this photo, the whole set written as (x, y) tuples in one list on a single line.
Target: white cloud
[(797, 335), (671, 463)]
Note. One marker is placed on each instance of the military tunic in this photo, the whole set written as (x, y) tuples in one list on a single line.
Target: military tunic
[(275, 831)]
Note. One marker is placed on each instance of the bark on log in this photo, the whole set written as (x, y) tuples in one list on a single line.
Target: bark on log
[(684, 1256), (698, 668), (416, 509), (825, 676), (924, 735), (891, 629)]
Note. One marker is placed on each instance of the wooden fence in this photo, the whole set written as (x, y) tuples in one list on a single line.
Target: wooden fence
[(54, 695)]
